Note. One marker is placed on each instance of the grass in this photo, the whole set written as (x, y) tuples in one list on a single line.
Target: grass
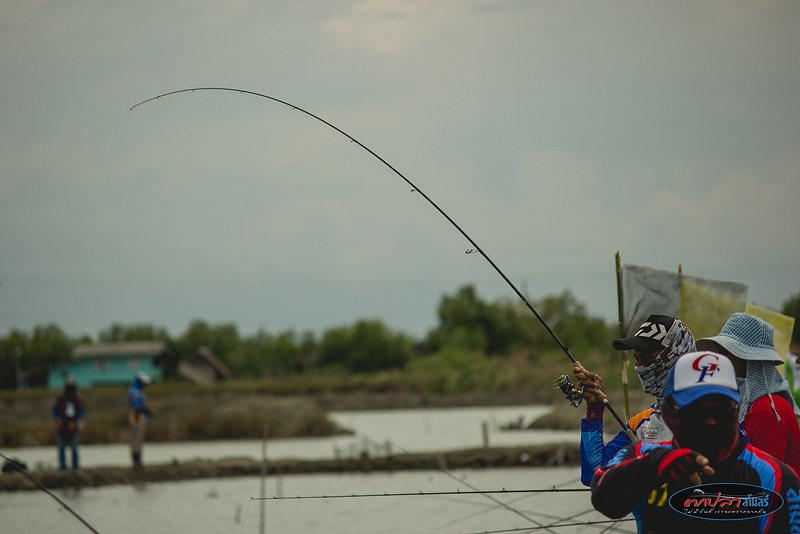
[(290, 406)]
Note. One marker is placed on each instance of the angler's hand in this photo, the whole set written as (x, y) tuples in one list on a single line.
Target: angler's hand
[(684, 464), (592, 383)]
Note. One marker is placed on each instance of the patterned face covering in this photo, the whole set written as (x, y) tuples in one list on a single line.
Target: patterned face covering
[(678, 341)]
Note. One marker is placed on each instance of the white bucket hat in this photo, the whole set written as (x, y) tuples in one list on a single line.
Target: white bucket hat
[(749, 338)]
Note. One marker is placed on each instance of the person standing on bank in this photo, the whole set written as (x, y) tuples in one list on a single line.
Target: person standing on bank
[(768, 414), (656, 346), (708, 479), (67, 413), (137, 416)]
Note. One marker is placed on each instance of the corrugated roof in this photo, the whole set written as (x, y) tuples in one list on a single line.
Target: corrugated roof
[(213, 361), (119, 350)]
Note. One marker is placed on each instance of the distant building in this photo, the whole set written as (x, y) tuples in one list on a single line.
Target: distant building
[(110, 363), (202, 368)]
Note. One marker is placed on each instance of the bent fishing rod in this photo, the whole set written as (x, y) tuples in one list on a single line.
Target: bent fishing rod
[(574, 395), (503, 491)]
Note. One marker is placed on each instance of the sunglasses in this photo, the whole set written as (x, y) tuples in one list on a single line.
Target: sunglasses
[(695, 413)]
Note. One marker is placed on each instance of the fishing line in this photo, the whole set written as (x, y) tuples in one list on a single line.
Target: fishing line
[(62, 158), (514, 501), (42, 487), (246, 512), (575, 396), (576, 524), (470, 486)]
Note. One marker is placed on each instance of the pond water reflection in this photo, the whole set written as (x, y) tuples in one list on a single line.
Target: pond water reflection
[(418, 430)]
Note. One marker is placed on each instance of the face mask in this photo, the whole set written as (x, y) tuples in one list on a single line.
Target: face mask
[(716, 442), (653, 378)]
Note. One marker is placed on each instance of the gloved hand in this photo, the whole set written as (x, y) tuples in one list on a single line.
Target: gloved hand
[(682, 465)]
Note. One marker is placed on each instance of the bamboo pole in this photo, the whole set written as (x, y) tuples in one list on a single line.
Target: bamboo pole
[(620, 316)]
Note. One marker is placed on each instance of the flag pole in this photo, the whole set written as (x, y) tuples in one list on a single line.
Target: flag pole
[(621, 315)]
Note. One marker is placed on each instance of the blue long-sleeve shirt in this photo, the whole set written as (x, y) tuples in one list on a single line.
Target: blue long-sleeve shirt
[(136, 402)]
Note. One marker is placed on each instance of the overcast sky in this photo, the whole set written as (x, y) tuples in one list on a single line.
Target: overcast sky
[(554, 133)]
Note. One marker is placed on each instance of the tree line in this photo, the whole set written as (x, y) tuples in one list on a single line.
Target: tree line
[(468, 327)]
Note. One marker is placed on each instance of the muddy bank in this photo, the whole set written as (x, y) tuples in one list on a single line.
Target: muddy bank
[(530, 456), (182, 414)]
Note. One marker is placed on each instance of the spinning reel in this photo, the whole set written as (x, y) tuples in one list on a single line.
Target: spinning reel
[(574, 395)]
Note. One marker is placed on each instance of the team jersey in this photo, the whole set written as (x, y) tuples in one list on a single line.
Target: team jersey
[(642, 475), (648, 426)]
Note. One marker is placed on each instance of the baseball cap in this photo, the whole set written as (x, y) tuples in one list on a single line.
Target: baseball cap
[(697, 374), (651, 335)]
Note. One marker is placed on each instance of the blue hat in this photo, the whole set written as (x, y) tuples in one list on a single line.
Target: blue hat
[(749, 338), (697, 374)]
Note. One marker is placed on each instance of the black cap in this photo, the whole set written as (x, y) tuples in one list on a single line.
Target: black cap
[(650, 335)]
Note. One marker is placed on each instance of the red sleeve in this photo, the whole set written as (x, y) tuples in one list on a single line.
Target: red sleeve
[(763, 428)]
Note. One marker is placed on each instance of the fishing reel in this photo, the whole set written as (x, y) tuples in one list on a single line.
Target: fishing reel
[(573, 394)]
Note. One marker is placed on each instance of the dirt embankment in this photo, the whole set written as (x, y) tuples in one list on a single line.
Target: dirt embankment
[(293, 416)]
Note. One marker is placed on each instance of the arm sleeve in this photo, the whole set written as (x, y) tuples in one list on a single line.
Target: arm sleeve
[(636, 470), (593, 451), (79, 409), (618, 488), (791, 495)]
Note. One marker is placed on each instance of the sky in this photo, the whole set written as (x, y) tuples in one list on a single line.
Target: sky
[(554, 133)]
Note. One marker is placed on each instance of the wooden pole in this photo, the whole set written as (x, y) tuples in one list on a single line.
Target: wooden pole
[(620, 317), (262, 523)]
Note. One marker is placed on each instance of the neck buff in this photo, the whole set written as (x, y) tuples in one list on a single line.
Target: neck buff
[(715, 442), (763, 379), (678, 341)]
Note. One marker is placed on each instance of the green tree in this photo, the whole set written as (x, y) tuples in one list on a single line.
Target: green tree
[(135, 332), (492, 327), (48, 346), (12, 348), (367, 346), (792, 308), (222, 339), (572, 324), (248, 359)]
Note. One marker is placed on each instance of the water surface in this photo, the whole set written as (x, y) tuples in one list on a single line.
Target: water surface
[(417, 430)]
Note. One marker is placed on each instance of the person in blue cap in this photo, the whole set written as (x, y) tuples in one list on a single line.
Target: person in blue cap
[(707, 478), (137, 416)]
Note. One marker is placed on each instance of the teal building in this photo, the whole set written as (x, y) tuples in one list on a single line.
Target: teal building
[(110, 363)]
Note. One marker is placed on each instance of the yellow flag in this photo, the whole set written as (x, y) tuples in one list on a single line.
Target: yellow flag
[(705, 310), (783, 325)]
